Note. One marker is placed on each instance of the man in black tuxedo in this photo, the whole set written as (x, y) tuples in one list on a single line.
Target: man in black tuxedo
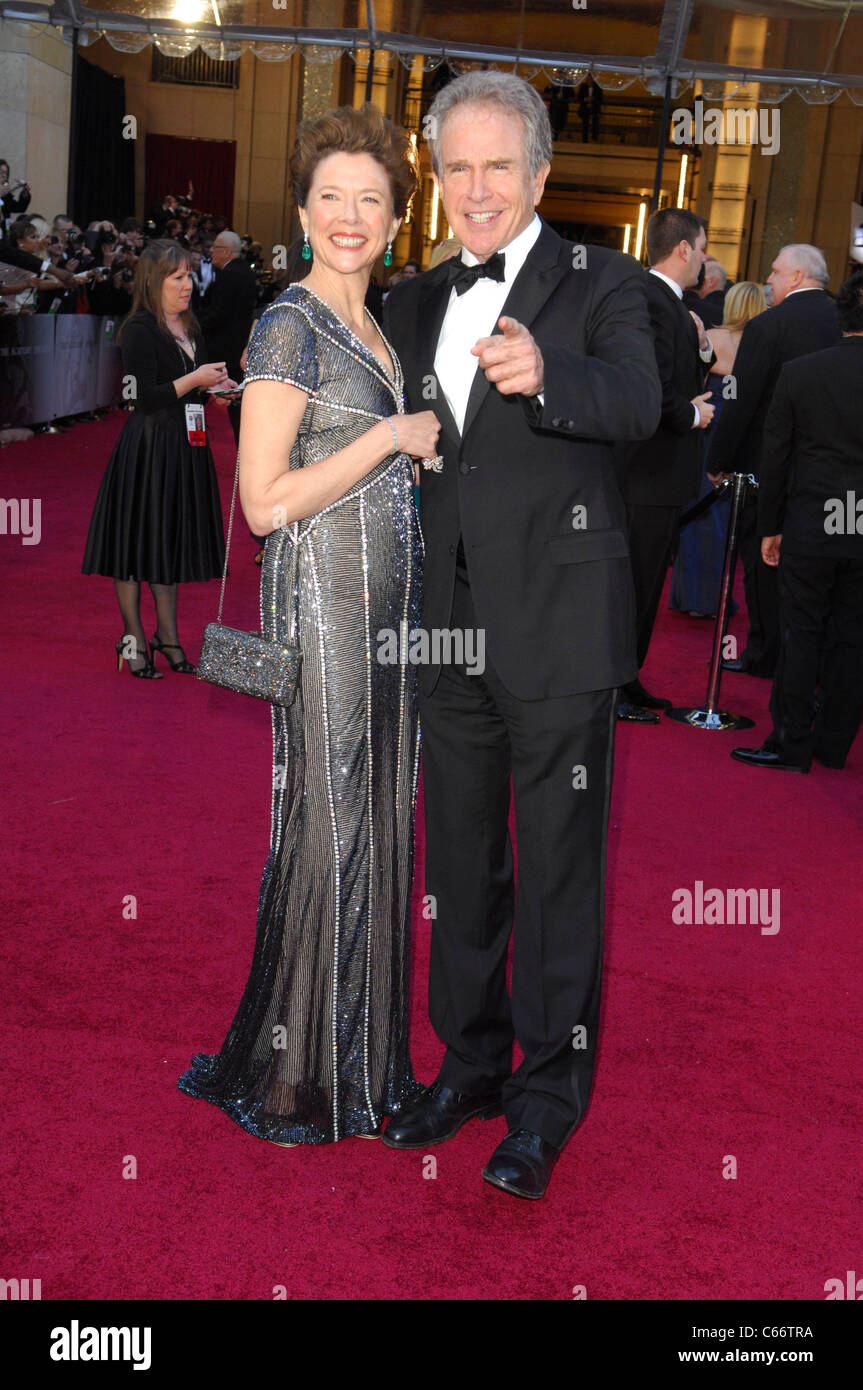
[(802, 319), (536, 355), (227, 310), (658, 477), (810, 519)]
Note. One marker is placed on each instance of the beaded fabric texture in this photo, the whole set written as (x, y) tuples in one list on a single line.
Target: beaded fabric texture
[(318, 1049)]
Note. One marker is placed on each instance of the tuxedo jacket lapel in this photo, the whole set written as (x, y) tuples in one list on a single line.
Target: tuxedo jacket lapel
[(432, 309), (540, 275)]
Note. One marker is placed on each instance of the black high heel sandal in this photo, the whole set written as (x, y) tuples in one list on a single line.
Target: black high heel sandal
[(146, 672), (184, 666)]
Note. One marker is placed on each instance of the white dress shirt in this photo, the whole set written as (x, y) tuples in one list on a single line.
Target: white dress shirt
[(704, 353), (474, 314)]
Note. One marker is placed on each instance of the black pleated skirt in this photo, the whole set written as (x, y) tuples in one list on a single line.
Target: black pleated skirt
[(157, 515)]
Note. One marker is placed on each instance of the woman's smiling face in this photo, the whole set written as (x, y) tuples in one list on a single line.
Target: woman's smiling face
[(349, 212)]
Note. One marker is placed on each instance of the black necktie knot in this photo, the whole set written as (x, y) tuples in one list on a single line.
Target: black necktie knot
[(463, 276)]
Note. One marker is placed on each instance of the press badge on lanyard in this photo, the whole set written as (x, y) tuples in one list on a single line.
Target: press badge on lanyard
[(196, 429), (195, 426)]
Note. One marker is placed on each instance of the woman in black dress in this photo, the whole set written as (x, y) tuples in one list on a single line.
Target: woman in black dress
[(157, 515)]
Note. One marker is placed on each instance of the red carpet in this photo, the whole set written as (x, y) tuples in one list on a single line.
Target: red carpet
[(717, 1040)]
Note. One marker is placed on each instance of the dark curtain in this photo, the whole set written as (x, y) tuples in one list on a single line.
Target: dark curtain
[(173, 163), (102, 174)]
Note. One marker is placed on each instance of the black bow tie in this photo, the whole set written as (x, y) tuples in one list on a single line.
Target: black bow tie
[(463, 276)]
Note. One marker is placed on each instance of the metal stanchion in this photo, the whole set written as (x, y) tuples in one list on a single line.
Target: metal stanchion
[(709, 716)]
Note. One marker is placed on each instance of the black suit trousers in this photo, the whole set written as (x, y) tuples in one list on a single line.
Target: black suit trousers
[(821, 620), (762, 595), (476, 736), (651, 533)]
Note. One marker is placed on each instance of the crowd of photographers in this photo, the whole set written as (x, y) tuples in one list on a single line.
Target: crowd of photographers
[(59, 268)]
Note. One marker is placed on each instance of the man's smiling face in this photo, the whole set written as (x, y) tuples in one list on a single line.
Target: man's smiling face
[(488, 192)]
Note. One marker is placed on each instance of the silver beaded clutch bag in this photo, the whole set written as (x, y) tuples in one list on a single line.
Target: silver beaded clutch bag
[(246, 661)]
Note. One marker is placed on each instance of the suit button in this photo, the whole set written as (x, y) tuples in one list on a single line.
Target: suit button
[(570, 424), (452, 550), (557, 422), (464, 467)]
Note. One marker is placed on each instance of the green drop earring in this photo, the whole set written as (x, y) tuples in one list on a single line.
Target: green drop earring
[(388, 254), (306, 252)]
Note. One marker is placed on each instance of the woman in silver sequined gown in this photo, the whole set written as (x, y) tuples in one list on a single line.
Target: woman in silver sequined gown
[(318, 1049)]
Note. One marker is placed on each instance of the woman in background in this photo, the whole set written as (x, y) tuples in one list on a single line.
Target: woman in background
[(697, 572), (157, 516)]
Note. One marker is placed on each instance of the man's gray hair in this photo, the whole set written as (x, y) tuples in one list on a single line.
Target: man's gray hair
[(808, 259), (494, 89), (717, 272), (232, 241)]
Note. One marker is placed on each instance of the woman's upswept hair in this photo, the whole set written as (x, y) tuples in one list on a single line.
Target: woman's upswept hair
[(157, 261), (354, 131)]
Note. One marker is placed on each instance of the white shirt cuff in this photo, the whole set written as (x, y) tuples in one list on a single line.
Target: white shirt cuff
[(697, 421)]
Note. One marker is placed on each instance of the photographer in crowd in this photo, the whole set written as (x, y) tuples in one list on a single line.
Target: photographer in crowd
[(70, 271), (24, 250), (14, 197)]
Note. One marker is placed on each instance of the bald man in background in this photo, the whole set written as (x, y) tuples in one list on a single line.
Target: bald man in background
[(802, 319), (227, 310)]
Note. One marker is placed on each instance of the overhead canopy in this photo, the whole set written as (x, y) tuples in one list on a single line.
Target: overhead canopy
[(815, 46)]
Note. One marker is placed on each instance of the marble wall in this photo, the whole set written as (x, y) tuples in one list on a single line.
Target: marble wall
[(35, 94)]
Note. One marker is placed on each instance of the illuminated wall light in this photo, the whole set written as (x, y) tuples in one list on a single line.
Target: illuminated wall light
[(188, 11), (414, 160), (639, 230), (627, 233), (681, 187)]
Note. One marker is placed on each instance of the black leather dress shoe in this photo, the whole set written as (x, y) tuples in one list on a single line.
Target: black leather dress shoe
[(438, 1114), (636, 714), (744, 667), (636, 694), (767, 756), (522, 1164)]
